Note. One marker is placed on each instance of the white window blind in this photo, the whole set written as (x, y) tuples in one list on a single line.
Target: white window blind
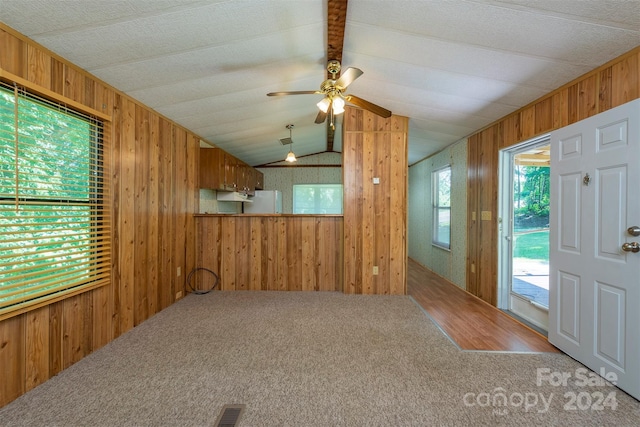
[(54, 216)]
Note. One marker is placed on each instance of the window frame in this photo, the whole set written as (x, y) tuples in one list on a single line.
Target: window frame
[(437, 208), (97, 202)]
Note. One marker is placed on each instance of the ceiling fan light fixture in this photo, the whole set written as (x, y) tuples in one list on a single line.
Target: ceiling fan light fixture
[(323, 105), (338, 105)]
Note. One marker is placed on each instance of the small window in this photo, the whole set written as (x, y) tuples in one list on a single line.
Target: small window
[(442, 207), (317, 199)]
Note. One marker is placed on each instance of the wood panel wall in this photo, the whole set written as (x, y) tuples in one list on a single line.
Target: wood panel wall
[(375, 215), (153, 164), (606, 87), (279, 253)]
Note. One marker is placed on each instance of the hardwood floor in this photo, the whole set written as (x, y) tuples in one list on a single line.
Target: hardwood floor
[(469, 321)]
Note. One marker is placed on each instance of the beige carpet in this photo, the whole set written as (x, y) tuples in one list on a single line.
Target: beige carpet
[(310, 359)]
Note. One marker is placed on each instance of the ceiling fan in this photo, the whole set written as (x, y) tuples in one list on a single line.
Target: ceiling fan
[(334, 97)]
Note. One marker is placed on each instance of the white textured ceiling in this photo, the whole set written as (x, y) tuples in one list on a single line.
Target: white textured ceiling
[(452, 67)]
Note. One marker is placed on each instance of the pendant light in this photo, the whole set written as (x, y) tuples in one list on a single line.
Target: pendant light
[(290, 156)]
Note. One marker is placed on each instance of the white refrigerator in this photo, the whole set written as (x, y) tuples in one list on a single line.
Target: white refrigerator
[(267, 201)]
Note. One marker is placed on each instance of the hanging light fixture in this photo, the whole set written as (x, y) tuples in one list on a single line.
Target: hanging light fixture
[(291, 157)]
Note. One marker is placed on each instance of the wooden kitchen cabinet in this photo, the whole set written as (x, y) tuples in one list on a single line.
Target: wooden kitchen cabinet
[(221, 171), (212, 168)]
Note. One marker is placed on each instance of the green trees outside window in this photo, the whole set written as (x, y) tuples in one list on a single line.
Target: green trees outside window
[(53, 230)]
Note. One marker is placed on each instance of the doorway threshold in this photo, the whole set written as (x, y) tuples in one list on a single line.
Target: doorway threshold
[(525, 322)]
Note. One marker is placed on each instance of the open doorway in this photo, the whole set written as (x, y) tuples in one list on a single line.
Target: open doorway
[(524, 231)]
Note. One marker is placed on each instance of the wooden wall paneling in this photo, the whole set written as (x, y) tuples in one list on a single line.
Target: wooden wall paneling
[(473, 216), (209, 241), (370, 233), (126, 220), (36, 347), (488, 197), (338, 268), (322, 233), (282, 272), (242, 253), (294, 253), (165, 218), (382, 167), (39, 67), (587, 97), (13, 55), (511, 130), (101, 321), (180, 212), (73, 84), (560, 112), (367, 214), (153, 216), (76, 328), (605, 89), (353, 204), (543, 116), (308, 263), (397, 204), (192, 199), (275, 253), (352, 154), (55, 338), (255, 254), (90, 92), (140, 216), (116, 214), (57, 76), (269, 252), (527, 123), (12, 358), (626, 80), (572, 103), (228, 270)]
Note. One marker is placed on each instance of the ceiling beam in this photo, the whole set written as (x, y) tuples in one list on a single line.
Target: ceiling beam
[(336, 19)]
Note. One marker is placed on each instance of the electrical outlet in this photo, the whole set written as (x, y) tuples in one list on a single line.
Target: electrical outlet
[(178, 295), (178, 272), (375, 270)]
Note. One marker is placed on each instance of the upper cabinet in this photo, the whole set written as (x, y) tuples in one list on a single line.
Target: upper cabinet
[(221, 171), (259, 179)]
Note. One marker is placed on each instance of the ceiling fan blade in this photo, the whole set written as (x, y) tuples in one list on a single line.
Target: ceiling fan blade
[(321, 117), (295, 92), (376, 109), (349, 75)]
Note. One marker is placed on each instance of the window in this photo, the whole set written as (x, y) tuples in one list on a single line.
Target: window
[(317, 199), (442, 207), (54, 226)]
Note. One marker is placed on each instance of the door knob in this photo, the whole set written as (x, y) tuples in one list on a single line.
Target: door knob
[(634, 230), (631, 247)]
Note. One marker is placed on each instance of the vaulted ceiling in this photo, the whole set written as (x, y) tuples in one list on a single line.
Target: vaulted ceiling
[(452, 67)]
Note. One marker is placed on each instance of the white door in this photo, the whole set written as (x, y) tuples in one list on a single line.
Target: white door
[(594, 300)]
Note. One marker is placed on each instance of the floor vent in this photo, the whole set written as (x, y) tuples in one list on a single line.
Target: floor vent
[(229, 415)]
